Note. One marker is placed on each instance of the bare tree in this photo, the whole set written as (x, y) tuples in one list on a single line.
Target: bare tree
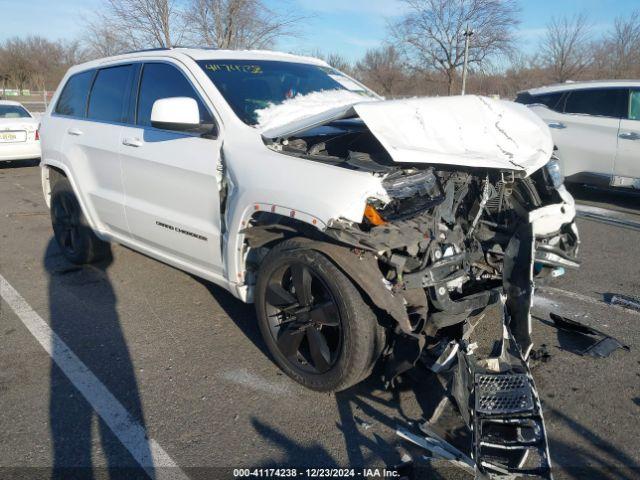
[(4, 72), (103, 39), (433, 32), (18, 68), (334, 59), (234, 24), (622, 46), (566, 50), (36, 62), (382, 70), (136, 24), (339, 62)]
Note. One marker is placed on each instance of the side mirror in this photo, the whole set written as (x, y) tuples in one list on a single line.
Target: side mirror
[(175, 113)]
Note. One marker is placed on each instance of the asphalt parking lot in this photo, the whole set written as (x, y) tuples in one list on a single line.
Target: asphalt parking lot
[(185, 360)]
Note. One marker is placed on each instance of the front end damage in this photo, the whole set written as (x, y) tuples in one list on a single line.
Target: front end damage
[(449, 257), (462, 268)]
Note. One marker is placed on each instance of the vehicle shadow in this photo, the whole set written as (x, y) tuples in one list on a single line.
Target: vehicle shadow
[(6, 164), (365, 443), (601, 460), (83, 314), (625, 198), (383, 410), (242, 314)]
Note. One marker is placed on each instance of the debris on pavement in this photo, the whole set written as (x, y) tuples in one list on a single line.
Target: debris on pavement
[(541, 354), (603, 344), (439, 449), (625, 301), (364, 424), (404, 469)]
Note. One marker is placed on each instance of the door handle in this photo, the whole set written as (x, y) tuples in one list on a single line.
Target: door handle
[(74, 131), (132, 142), (629, 136), (557, 125)]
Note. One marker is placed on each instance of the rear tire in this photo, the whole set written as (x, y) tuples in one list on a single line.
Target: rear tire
[(327, 314), (77, 241)]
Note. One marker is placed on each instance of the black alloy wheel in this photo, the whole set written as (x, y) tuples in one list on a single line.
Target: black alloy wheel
[(65, 218), (304, 318), (315, 322), (76, 239)]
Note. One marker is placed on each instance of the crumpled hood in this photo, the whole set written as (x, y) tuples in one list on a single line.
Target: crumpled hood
[(465, 130)]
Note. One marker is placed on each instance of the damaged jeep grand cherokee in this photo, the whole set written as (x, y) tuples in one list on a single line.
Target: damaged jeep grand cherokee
[(363, 229)]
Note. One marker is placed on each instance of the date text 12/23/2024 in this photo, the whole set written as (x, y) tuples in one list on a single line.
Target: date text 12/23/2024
[(315, 473)]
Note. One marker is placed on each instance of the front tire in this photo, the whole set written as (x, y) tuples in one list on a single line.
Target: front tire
[(314, 320), (76, 239)]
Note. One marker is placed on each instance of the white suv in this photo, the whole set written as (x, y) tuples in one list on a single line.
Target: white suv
[(595, 127), (361, 228)]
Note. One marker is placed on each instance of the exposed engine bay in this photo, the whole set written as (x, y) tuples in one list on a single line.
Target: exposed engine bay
[(455, 250), (445, 237)]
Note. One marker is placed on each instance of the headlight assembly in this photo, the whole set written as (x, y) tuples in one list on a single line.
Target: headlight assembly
[(554, 172)]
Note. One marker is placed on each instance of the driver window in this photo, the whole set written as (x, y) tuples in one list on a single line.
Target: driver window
[(161, 80)]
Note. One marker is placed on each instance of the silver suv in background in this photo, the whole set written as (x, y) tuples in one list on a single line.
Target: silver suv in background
[(595, 128)]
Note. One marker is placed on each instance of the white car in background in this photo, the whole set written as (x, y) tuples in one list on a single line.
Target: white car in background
[(595, 128), (19, 138)]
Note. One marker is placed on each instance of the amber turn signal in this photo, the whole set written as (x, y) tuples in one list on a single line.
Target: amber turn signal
[(373, 216)]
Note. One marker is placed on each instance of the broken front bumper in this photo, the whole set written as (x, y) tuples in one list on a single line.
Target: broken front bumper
[(556, 235)]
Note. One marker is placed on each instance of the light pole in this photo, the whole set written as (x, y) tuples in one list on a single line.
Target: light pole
[(467, 38)]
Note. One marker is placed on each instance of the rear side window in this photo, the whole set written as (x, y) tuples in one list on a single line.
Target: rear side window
[(553, 101), (634, 105), (73, 99), (609, 102), (525, 98), (109, 93), (161, 80)]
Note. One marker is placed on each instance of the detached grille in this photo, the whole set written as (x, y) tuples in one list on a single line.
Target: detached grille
[(505, 393)]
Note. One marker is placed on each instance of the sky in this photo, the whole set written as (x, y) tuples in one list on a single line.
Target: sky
[(348, 27)]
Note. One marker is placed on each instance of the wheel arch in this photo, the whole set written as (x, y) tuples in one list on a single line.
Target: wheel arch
[(50, 171), (261, 227), (267, 231)]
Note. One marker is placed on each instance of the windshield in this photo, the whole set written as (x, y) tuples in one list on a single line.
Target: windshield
[(13, 111), (252, 85)]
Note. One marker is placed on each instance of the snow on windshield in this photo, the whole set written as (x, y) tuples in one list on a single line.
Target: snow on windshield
[(302, 106)]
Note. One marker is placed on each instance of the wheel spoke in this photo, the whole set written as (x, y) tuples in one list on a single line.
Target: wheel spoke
[(64, 203), (73, 238), (289, 340), (58, 213), (278, 296), (65, 237), (325, 314), (320, 353), (301, 277)]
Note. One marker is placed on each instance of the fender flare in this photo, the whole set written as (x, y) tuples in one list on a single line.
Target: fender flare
[(363, 270), (47, 165)]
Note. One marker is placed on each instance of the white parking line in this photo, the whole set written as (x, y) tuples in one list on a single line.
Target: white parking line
[(146, 451)]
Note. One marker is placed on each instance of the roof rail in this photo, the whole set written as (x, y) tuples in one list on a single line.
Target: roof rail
[(157, 49), (196, 47), (147, 50)]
